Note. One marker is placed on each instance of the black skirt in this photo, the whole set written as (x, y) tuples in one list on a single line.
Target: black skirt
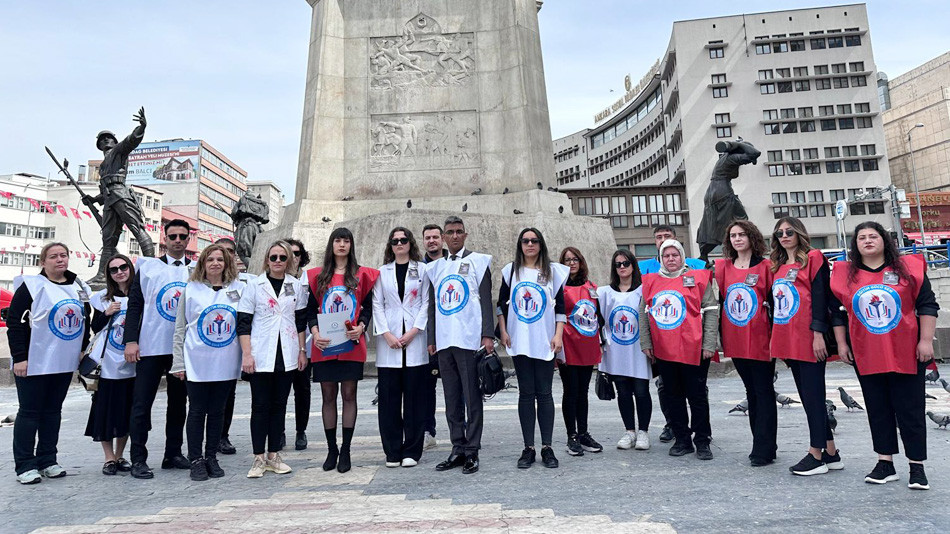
[(337, 371), (111, 409)]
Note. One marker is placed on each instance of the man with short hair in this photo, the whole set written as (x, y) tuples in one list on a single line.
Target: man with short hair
[(149, 328), (461, 321), (432, 241)]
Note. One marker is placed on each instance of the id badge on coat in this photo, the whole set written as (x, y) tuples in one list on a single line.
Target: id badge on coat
[(289, 289), (689, 281), (234, 295), (413, 273), (751, 279), (891, 278), (464, 268), (791, 275), (592, 293), (84, 297)]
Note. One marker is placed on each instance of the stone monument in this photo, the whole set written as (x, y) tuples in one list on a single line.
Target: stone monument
[(416, 110), (721, 205)]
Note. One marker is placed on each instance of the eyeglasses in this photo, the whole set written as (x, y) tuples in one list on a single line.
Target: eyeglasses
[(530, 241), (622, 264), (399, 241), (124, 267), (571, 260), (296, 253), (177, 237), (278, 257), (454, 232), (788, 232)]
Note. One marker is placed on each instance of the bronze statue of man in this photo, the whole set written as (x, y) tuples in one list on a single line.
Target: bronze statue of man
[(721, 204), (248, 214), (119, 205)]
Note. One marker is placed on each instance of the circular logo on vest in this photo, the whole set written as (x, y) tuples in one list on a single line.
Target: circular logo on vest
[(167, 300), (741, 304), (878, 307), (668, 309), (452, 295), (529, 301), (785, 301), (65, 319), (217, 325), (337, 299), (584, 318), (624, 323), (118, 331)]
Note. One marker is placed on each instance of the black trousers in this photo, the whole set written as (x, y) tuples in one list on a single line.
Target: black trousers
[(810, 381), (687, 382), (463, 401), (148, 374), (628, 389), (757, 378), (402, 414), (429, 398), (36, 432), (229, 412), (269, 392), (535, 401), (897, 400), (206, 402), (301, 385), (662, 395), (575, 380)]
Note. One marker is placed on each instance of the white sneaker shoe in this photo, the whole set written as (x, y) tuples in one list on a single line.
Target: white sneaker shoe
[(277, 465), (430, 442), (30, 477), (409, 462), (53, 471), (393, 464), (626, 442), (257, 470), (643, 441)]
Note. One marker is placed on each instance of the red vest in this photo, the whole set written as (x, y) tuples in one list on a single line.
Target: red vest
[(676, 316), (744, 324), (792, 336), (881, 316), (338, 299), (581, 333)]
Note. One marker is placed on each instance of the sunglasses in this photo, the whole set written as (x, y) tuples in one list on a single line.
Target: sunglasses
[(622, 264), (277, 257), (530, 241), (124, 267), (571, 260), (296, 253), (788, 232), (177, 237), (399, 241)]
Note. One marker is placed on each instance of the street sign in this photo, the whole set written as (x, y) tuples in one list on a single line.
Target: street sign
[(841, 209), (905, 210), (901, 195)]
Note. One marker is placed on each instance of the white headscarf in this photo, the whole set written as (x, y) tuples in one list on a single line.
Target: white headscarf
[(678, 246)]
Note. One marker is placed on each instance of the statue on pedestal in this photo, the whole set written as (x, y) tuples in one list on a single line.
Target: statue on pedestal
[(721, 204), (248, 214)]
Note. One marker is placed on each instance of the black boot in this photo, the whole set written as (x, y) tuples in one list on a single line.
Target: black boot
[(333, 453)]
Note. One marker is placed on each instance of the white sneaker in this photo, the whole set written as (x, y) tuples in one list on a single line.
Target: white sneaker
[(626, 442), (277, 465), (409, 462), (393, 464), (643, 441), (430, 442), (257, 470), (53, 471), (30, 477)]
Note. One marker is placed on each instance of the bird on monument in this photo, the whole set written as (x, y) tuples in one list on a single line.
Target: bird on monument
[(506, 191), (929, 396), (932, 376), (552, 189), (477, 191), (743, 407), (409, 203), (540, 185), (941, 419), (347, 198), (465, 207), (945, 385), (848, 400), (518, 212), (785, 400), (560, 209), (326, 219)]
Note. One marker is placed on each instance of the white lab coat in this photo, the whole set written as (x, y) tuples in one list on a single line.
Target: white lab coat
[(273, 318), (398, 316)]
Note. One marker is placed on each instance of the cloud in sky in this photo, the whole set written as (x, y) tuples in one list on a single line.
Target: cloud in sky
[(233, 72)]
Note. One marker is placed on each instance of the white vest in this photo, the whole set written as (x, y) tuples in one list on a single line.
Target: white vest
[(273, 320), (622, 354), (458, 312), (531, 319), (161, 288), (57, 323), (211, 351), (112, 360), (390, 314)]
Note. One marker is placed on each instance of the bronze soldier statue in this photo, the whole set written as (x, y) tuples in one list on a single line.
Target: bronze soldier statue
[(721, 204), (119, 205), (248, 214)]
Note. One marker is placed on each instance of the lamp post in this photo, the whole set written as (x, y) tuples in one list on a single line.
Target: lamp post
[(920, 216)]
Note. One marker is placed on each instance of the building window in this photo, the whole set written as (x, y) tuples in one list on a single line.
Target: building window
[(845, 124), (838, 68), (849, 150), (645, 251), (776, 170), (835, 42), (723, 132), (720, 92), (806, 112), (779, 210), (817, 211), (870, 164), (601, 205), (826, 111), (827, 124), (788, 113), (715, 53), (722, 118), (832, 167), (812, 168), (585, 206), (718, 78), (822, 83), (618, 204), (840, 83), (656, 203), (875, 207), (844, 109), (862, 107), (765, 74), (771, 129), (767, 88), (821, 70), (801, 72), (811, 153), (818, 44), (852, 165), (859, 81), (797, 45), (868, 150), (783, 72), (793, 155), (774, 156), (853, 40), (794, 169), (807, 126), (780, 47), (770, 114), (832, 152), (837, 194), (802, 85), (798, 197), (784, 87), (619, 221), (863, 122), (673, 203), (763, 49), (856, 66), (789, 127)]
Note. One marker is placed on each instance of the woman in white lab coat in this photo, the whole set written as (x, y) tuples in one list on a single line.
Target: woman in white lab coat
[(400, 312)]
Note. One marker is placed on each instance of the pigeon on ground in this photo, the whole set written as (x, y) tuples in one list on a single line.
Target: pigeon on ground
[(477, 191), (941, 419), (465, 207), (409, 203), (945, 385), (506, 191), (830, 406), (929, 396), (741, 407), (325, 219), (832, 421), (932, 376), (347, 198), (785, 400), (849, 401), (518, 212)]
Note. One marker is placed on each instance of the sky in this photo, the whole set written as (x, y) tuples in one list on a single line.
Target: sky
[(232, 72)]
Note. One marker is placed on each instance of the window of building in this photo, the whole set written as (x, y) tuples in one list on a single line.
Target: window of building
[(812, 168), (618, 204), (656, 203), (853, 40), (673, 202), (822, 83), (810, 153), (838, 68), (718, 78), (715, 53), (780, 47), (818, 44), (770, 114), (793, 155), (620, 221), (862, 107), (856, 66), (723, 132), (771, 129), (789, 127), (585, 206), (852, 165), (837, 194), (722, 118), (601, 205), (875, 207), (794, 169), (801, 72), (798, 197), (806, 126), (806, 112), (845, 124), (787, 113), (832, 167), (840, 83), (826, 111), (767, 88), (817, 211), (835, 42), (720, 92), (821, 70), (868, 150), (765, 74), (863, 122), (763, 49), (859, 81), (779, 210), (832, 152), (844, 109), (774, 155), (645, 250), (783, 72), (869, 164), (776, 170), (798, 45), (802, 85), (849, 150), (784, 87), (816, 196), (638, 204), (828, 124)]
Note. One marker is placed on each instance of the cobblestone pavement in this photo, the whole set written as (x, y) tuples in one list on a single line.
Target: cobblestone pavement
[(615, 491)]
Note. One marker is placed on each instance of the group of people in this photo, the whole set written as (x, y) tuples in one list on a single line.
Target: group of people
[(203, 326)]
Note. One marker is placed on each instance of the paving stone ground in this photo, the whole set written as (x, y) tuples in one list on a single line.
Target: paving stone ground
[(615, 491)]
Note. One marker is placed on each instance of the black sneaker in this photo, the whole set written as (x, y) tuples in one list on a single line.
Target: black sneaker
[(588, 443), (225, 446), (758, 461), (214, 470), (703, 452), (918, 479), (301, 442), (882, 473), (199, 470), (547, 458), (809, 466), (681, 449), (667, 435), (527, 458), (834, 463), (573, 447)]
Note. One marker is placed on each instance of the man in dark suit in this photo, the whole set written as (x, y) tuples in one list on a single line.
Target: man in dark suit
[(432, 241)]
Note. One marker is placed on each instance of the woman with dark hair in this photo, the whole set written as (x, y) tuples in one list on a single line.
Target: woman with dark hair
[(47, 329), (624, 361), (531, 323), (111, 408), (581, 351), (744, 277), (400, 314), (891, 317), (301, 377), (800, 319), (341, 285)]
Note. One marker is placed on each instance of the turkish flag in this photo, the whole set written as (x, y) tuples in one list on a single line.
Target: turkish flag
[(62, 211), (34, 203), (48, 206), (75, 213)]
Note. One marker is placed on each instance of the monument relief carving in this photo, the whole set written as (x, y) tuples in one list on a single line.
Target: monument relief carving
[(421, 57), (441, 140)]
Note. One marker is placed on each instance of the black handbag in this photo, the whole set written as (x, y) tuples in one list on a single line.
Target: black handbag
[(604, 387), (490, 372), (90, 371)]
